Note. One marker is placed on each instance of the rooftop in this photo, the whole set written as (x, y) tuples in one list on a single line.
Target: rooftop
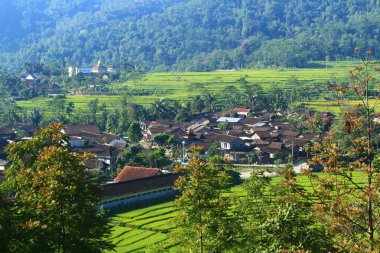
[(242, 110), (229, 119), (139, 185), (131, 173)]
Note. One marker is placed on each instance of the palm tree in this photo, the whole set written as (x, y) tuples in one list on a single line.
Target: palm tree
[(36, 116), (165, 108)]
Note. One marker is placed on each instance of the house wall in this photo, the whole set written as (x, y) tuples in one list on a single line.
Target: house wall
[(243, 113), (4, 168), (84, 70), (76, 143), (299, 166), (118, 140), (255, 137), (105, 159), (225, 145), (109, 203)]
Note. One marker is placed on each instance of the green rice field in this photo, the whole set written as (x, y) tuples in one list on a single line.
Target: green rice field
[(143, 229), (334, 108), (178, 85)]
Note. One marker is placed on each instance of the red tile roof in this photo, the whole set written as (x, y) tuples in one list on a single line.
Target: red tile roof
[(131, 173)]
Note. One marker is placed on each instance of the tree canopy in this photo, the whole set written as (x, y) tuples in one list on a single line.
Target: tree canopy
[(185, 34), (55, 203)]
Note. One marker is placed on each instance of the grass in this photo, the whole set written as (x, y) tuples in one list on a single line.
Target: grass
[(138, 230), (177, 85)]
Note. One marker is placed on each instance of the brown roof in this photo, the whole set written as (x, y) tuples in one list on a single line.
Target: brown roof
[(274, 134), (107, 138), (163, 123), (94, 163), (237, 127), (296, 142), (236, 133), (139, 185), (131, 173), (288, 133), (158, 129), (261, 129), (224, 138), (264, 134), (309, 136), (251, 121), (206, 143), (259, 142), (76, 129), (99, 150), (244, 110), (275, 146)]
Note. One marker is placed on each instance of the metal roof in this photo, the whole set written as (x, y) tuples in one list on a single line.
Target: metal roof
[(229, 119)]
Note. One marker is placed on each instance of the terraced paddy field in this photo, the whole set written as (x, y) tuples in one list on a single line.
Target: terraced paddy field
[(143, 229), (179, 85), (333, 107)]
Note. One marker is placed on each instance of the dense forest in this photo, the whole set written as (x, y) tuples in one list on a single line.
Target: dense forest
[(194, 35)]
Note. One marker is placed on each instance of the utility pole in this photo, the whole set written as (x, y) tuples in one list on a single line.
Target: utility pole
[(292, 151)]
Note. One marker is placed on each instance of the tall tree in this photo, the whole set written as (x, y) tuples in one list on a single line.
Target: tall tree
[(134, 132), (204, 224), (277, 217), (36, 116), (55, 201), (348, 206)]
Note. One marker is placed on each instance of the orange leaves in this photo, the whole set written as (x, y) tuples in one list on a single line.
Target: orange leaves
[(339, 89), (347, 126), (369, 51)]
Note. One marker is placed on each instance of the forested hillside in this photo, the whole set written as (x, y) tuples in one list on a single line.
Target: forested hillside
[(185, 34)]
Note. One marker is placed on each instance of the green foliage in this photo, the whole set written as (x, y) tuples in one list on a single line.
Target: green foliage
[(136, 155), (7, 224), (134, 132), (214, 149), (203, 221), (55, 201), (278, 217), (183, 34), (161, 138), (8, 115), (349, 208), (223, 125)]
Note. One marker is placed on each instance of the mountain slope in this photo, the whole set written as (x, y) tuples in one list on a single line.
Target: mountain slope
[(185, 34)]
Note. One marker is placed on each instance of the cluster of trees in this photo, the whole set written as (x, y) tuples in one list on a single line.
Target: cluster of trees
[(266, 217), (8, 114), (136, 155), (186, 34), (48, 202)]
